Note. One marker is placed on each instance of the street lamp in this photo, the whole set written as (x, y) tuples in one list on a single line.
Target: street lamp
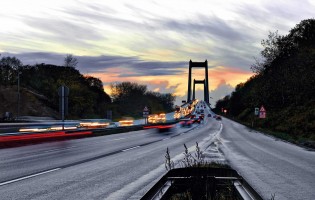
[(18, 112)]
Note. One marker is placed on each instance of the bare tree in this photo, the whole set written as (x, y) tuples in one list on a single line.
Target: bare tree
[(70, 61)]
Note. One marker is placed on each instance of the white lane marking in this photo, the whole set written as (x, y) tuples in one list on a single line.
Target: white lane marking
[(166, 139), (130, 148), (118, 139), (144, 180), (30, 176)]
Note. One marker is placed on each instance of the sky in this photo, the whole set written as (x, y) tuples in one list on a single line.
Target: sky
[(149, 42)]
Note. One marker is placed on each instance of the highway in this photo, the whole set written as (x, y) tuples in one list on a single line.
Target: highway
[(125, 166), (271, 166), (120, 166)]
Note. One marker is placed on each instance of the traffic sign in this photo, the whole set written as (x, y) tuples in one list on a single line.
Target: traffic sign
[(262, 112), (145, 112), (256, 111)]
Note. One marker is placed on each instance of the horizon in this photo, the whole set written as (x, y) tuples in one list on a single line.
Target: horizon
[(149, 42)]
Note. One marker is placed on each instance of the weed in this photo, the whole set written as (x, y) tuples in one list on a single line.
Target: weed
[(188, 159), (273, 196), (169, 164)]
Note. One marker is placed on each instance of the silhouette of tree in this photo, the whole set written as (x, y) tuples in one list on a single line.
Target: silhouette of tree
[(9, 69), (70, 61), (284, 82), (130, 98)]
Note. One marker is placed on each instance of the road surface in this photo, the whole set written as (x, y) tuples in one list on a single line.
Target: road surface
[(125, 166), (271, 166), (120, 166)]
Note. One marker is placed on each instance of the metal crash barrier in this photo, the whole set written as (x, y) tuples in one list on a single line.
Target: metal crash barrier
[(202, 183)]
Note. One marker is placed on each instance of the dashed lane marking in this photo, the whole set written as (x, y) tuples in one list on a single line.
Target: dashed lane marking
[(130, 148), (29, 176)]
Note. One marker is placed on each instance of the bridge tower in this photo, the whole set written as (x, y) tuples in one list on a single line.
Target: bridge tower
[(194, 86), (205, 81)]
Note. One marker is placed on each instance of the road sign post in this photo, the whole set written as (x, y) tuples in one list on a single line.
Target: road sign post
[(145, 114), (262, 112), (63, 92), (256, 111)]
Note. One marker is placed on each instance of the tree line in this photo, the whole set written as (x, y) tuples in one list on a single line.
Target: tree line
[(283, 83), (131, 98), (87, 98)]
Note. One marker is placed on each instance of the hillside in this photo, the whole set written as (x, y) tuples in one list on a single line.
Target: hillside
[(31, 104), (87, 98), (284, 84)]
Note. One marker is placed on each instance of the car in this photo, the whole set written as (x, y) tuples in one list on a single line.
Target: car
[(196, 120), (152, 119), (166, 128), (94, 123), (201, 117), (186, 122), (112, 125), (218, 117), (161, 118), (209, 115), (126, 121)]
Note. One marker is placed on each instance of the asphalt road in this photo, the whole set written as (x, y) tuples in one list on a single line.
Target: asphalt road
[(121, 166), (125, 166), (272, 167)]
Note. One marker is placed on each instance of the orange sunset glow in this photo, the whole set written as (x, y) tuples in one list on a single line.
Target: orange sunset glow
[(178, 84)]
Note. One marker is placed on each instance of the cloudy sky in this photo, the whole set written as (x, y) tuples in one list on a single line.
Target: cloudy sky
[(146, 41)]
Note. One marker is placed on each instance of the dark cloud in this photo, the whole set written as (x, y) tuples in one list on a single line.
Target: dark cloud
[(128, 66), (102, 17), (207, 26), (152, 72), (143, 68), (234, 43), (32, 58), (62, 31), (227, 34)]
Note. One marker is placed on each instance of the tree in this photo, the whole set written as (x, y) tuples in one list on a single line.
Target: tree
[(284, 82), (130, 99), (123, 91), (9, 69), (70, 61), (269, 53)]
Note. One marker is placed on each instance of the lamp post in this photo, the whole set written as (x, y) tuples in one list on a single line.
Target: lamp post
[(18, 110)]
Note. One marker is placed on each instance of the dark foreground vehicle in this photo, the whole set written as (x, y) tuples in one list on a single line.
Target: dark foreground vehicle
[(218, 117)]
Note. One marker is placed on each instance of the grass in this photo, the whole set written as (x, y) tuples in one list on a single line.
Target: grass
[(297, 139), (191, 160), (199, 187)]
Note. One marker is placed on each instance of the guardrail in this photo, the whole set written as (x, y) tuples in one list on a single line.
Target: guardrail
[(202, 183), (20, 138)]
